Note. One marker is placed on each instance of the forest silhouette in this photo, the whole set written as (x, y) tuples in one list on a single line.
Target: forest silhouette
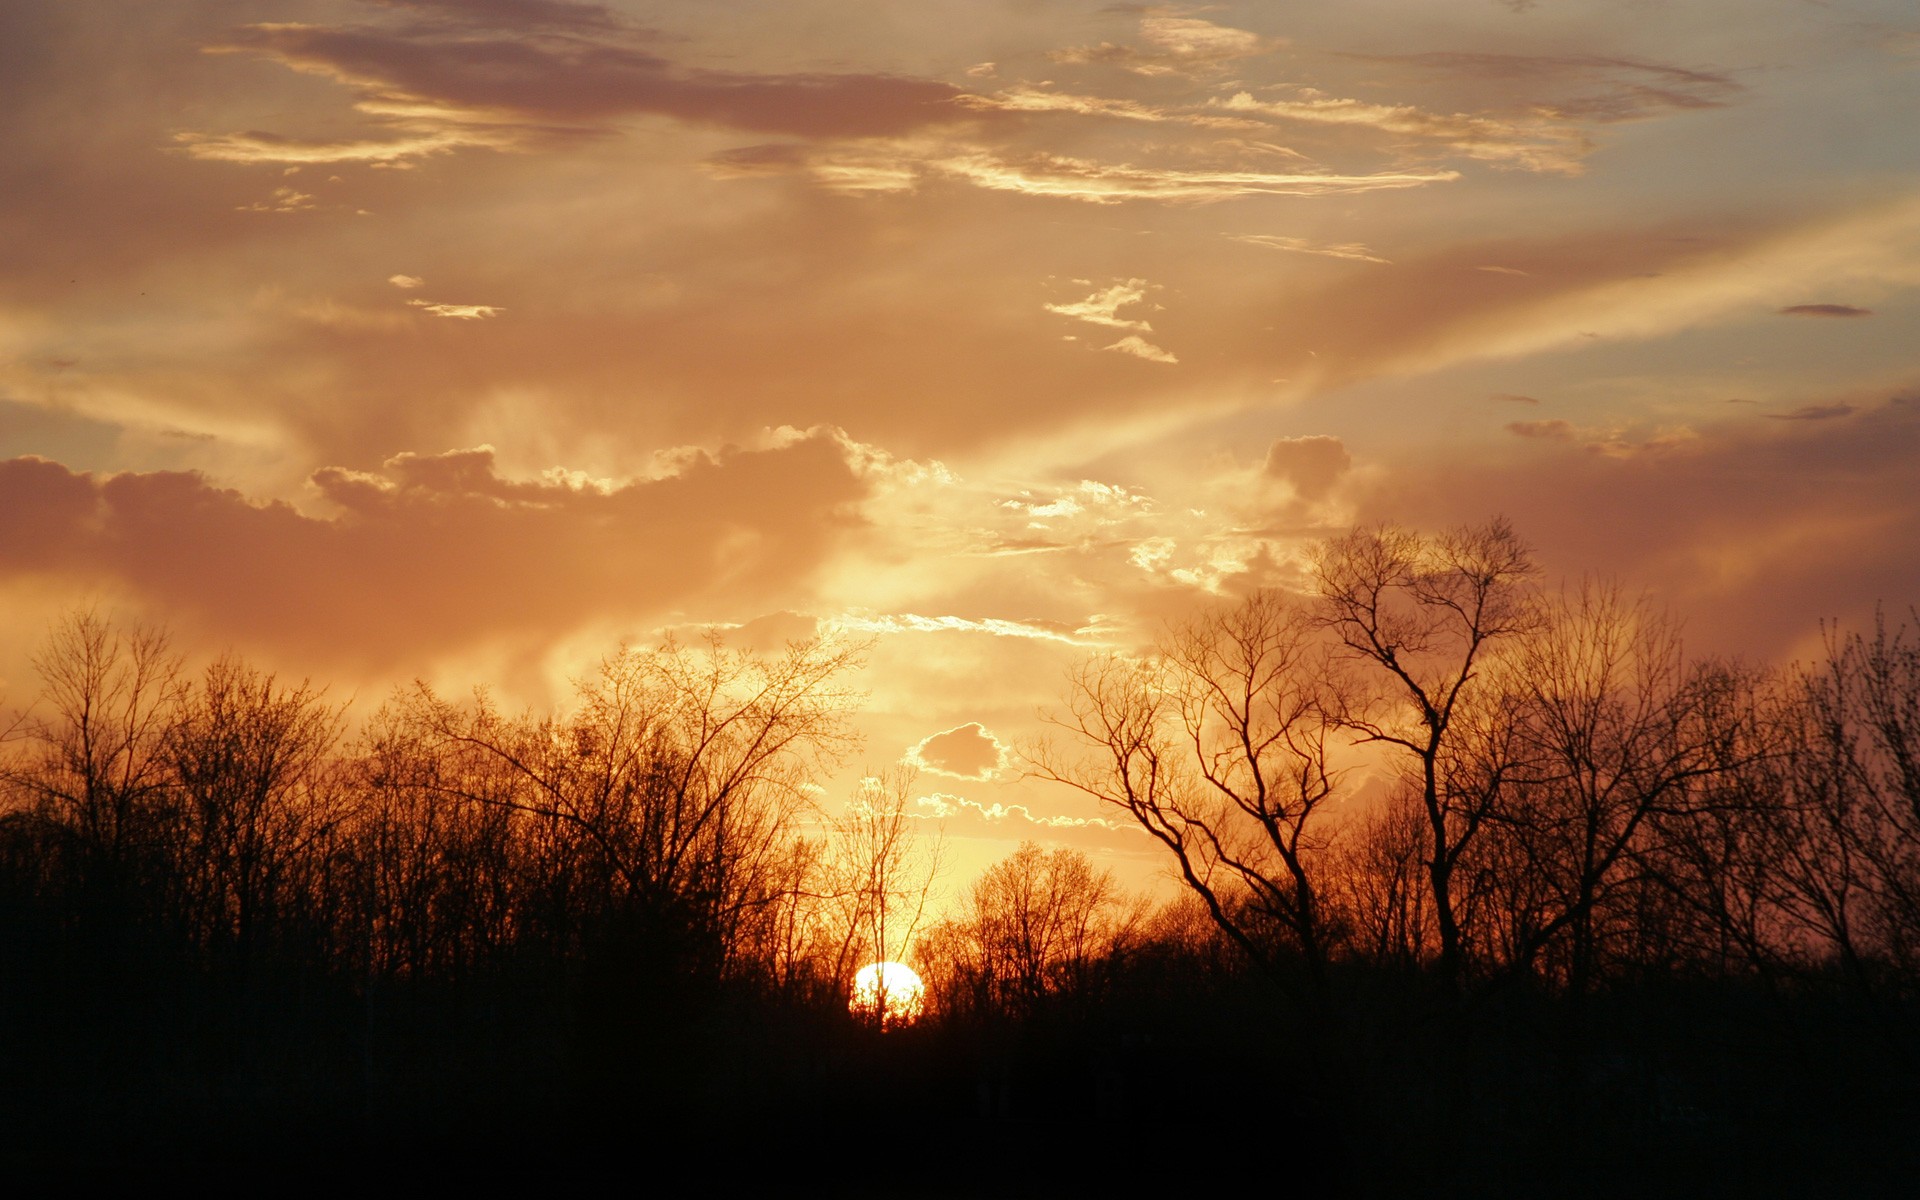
[(1626, 918)]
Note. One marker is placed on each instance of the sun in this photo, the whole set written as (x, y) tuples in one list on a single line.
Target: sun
[(889, 991)]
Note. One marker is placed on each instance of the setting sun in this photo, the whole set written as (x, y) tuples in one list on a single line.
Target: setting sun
[(890, 990)]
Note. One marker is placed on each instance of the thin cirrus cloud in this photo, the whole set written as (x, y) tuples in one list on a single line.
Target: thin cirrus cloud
[(458, 312), (1540, 143), (1174, 45), (1587, 86), (1825, 310), (1294, 245)]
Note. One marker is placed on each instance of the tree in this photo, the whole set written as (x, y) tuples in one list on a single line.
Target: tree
[(254, 766), (1218, 747), (880, 878), (95, 776), (681, 769), (1035, 927), (1612, 733), (1415, 618)]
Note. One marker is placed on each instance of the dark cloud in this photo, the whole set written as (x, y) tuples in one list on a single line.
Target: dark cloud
[(583, 80), (1816, 412), (968, 752), (434, 551), (1753, 531), (1512, 398), (1825, 310), (1312, 465), (1584, 86), (512, 14)]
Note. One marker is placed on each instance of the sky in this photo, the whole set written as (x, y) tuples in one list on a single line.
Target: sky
[(464, 339)]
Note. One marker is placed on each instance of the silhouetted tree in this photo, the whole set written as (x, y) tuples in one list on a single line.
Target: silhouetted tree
[(1218, 747), (1416, 618)]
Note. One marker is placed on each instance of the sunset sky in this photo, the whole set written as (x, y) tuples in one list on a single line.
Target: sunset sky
[(463, 339)]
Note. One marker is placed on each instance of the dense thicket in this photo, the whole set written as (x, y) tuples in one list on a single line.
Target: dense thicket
[(1464, 862)]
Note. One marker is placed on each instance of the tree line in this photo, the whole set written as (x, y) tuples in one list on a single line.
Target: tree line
[(1440, 832)]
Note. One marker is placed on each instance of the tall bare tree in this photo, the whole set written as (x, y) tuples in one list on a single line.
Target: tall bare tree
[(1218, 747), (1416, 618)]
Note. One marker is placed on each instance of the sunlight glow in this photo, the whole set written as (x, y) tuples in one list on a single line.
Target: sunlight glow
[(889, 991)]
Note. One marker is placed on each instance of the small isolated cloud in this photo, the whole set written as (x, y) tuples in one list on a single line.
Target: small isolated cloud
[(1816, 412), (1103, 307), (1825, 310), (1140, 347), (982, 70), (1512, 398), (406, 282), (283, 200), (1492, 270), (459, 312), (1555, 430), (1310, 465), (970, 751), (1352, 250)]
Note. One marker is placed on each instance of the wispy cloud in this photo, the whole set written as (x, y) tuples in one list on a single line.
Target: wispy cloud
[(459, 312), (1274, 241), (1533, 143), (1103, 307), (1816, 412), (1825, 310), (1175, 45), (993, 626), (1140, 347)]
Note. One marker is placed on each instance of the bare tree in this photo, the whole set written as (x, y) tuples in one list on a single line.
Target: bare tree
[(1035, 927), (881, 876), (680, 767), (1611, 735), (1416, 617), (94, 772), (1218, 748), (254, 763)]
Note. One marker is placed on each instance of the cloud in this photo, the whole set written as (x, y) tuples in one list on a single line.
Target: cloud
[(1554, 430), (1103, 307), (1309, 465), (1035, 100), (1585, 86), (993, 626), (1272, 241), (436, 90), (522, 14), (1825, 310), (901, 166), (970, 751), (432, 553), (1140, 347), (944, 806), (1535, 143), (1754, 531), (1176, 45), (1512, 398), (1816, 412), (406, 281), (459, 312)]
